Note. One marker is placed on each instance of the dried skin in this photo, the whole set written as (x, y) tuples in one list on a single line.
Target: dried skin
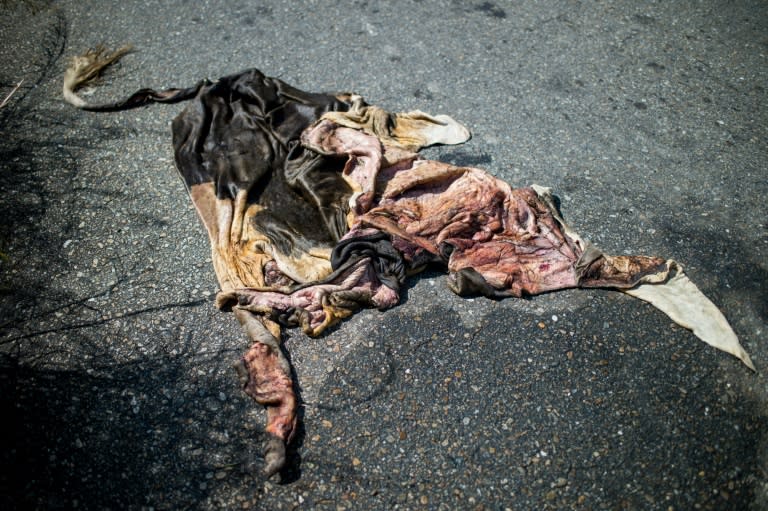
[(622, 271), (316, 205)]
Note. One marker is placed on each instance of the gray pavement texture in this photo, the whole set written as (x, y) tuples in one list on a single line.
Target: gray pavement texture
[(648, 120)]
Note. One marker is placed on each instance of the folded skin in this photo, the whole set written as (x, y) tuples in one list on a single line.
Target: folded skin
[(274, 209), (316, 205)]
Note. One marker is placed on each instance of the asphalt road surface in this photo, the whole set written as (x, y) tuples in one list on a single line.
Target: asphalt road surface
[(647, 119)]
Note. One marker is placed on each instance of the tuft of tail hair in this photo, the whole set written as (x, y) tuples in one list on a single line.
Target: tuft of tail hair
[(84, 69)]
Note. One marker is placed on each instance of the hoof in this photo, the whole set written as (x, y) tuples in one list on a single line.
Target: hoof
[(274, 456), (241, 369)]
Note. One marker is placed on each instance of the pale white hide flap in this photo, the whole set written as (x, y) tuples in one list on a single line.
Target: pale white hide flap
[(686, 305)]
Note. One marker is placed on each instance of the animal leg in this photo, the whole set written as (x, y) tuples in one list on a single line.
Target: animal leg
[(266, 376)]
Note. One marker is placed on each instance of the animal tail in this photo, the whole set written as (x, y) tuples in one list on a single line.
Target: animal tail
[(87, 67)]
